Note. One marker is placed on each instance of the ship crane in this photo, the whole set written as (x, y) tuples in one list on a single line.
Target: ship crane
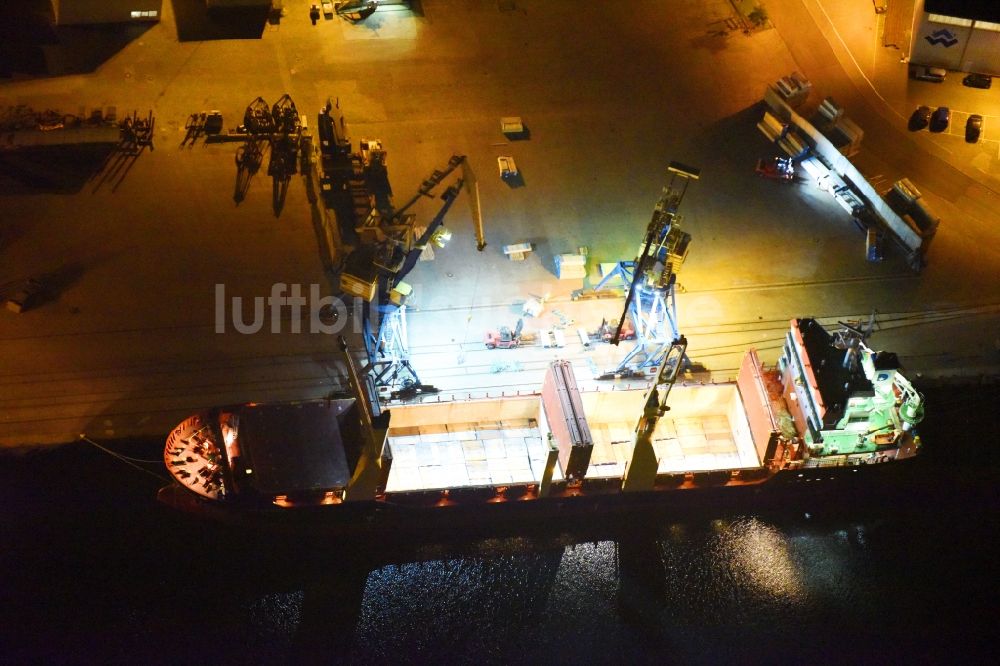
[(394, 246), (894, 394), (642, 469), (850, 339), (652, 279), (903, 404), (386, 343)]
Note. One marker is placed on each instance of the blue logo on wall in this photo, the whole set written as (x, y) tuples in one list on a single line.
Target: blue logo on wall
[(944, 37)]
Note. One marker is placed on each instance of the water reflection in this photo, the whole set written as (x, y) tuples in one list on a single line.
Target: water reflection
[(648, 588), (276, 616), (760, 557)]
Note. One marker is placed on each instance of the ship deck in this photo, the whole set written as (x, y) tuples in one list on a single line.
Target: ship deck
[(691, 444), (485, 453), (492, 443)]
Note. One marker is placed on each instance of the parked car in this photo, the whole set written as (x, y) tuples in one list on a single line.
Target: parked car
[(932, 74), (920, 118), (973, 128), (940, 119), (983, 81), (25, 297)]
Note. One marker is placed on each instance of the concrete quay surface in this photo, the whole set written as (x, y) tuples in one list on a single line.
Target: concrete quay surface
[(127, 346)]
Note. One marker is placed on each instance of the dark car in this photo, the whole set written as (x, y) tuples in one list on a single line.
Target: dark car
[(973, 128), (983, 81), (26, 297), (921, 116), (940, 119)]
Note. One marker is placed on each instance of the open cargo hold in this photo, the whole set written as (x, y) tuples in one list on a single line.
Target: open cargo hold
[(491, 442)]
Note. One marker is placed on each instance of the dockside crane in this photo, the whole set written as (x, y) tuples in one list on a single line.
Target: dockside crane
[(386, 341), (386, 242), (390, 246), (652, 278)]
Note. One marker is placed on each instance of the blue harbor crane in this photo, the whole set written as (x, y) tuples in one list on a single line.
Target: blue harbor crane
[(652, 279), (391, 247)]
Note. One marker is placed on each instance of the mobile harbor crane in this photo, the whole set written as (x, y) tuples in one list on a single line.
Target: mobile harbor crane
[(652, 278), (390, 244), (383, 242), (385, 339)]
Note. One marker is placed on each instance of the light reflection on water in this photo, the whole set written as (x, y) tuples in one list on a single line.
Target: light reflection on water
[(276, 616), (761, 559), (609, 598)]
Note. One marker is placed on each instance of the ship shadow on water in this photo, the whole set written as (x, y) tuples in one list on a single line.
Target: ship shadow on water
[(112, 576)]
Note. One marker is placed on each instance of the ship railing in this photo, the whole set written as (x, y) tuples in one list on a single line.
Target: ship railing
[(844, 460), (585, 387)]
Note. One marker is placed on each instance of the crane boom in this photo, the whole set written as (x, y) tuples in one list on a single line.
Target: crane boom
[(419, 244), (641, 472), (664, 243)]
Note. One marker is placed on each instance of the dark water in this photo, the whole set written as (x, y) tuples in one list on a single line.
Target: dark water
[(93, 571)]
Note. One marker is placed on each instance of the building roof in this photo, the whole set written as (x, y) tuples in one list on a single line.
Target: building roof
[(979, 10)]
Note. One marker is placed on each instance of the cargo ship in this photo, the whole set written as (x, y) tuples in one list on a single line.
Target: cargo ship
[(830, 409)]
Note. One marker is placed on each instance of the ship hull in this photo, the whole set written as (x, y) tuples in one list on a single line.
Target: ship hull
[(411, 517)]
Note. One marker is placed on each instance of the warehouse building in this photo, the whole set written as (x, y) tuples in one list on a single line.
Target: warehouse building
[(960, 35)]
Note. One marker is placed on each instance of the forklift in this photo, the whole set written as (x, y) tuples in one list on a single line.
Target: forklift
[(606, 331), (505, 338), (776, 168)]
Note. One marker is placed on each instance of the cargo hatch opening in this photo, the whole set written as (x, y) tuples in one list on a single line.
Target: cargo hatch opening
[(706, 430), (478, 443)]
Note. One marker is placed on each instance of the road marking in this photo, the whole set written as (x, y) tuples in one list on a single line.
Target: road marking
[(879, 29), (871, 85)]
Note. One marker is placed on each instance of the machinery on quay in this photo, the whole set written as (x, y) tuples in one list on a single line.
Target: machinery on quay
[(278, 128), (651, 279), (821, 149), (781, 169), (355, 10), (101, 146), (257, 118), (606, 331), (286, 138), (137, 131), (25, 296), (504, 337), (386, 242)]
